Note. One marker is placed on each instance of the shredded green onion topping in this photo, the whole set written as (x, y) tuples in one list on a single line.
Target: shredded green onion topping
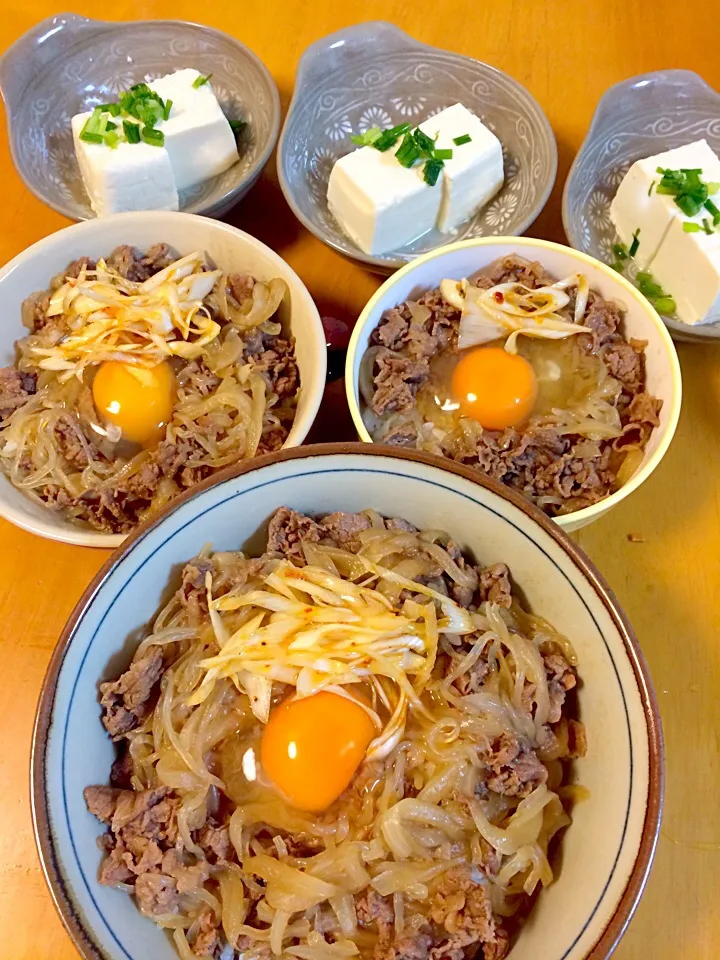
[(201, 81), (459, 141)]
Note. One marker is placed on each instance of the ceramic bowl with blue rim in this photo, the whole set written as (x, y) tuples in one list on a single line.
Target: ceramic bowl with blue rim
[(607, 851), (68, 64), (375, 75), (637, 118)]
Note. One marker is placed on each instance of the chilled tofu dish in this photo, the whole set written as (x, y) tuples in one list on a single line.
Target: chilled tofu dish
[(154, 142), (667, 216), (402, 182)]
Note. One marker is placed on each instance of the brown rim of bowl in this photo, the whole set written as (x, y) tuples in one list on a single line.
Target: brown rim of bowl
[(635, 886)]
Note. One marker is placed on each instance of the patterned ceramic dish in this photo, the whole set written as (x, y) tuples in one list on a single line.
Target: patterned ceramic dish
[(460, 260), (608, 849), (373, 74), (637, 118), (69, 63)]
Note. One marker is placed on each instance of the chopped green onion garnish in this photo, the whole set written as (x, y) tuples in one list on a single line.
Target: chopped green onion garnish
[(620, 251), (201, 81), (689, 205), (364, 139), (707, 226), (110, 125), (154, 138), (89, 137), (425, 144), (131, 131), (635, 243), (443, 154), (237, 126), (168, 108), (431, 171), (111, 139), (112, 108), (618, 265), (690, 227), (408, 152), (650, 188), (388, 138), (712, 209), (649, 287), (459, 141), (665, 305), (713, 187)]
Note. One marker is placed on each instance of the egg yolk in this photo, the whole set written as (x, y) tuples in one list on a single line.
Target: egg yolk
[(311, 748), (137, 399), (494, 387)]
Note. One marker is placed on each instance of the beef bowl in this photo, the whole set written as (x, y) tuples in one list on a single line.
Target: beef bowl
[(527, 360), (139, 354), (408, 717)]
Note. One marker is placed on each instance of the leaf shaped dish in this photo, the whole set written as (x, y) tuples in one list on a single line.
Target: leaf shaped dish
[(637, 118), (373, 74), (70, 63)]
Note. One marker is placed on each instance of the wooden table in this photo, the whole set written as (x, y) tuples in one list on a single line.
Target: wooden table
[(567, 52)]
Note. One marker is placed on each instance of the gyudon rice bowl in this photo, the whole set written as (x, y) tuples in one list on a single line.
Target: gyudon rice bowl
[(356, 744), (141, 374), (529, 378)]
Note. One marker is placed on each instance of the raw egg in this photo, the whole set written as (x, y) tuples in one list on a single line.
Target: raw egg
[(494, 387), (311, 748), (138, 400)]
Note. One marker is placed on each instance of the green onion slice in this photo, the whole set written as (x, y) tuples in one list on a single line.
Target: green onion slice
[(665, 305), (459, 141), (154, 138), (690, 227), (620, 251), (201, 81), (131, 131), (635, 243), (367, 138), (431, 171)]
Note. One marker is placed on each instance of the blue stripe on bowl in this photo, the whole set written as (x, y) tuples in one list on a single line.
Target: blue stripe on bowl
[(260, 486)]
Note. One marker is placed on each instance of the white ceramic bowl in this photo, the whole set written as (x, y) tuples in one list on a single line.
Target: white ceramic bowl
[(458, 260), (607, 851), (230, 248)]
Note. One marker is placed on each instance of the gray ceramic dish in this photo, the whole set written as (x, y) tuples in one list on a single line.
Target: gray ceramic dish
[(373, 74), (637, 118), (68, 63)]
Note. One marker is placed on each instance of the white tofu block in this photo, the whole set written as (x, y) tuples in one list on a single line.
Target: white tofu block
[(474, 174), (687, 266), (380, 204), (198, 137), (131, 177), (636, 206)]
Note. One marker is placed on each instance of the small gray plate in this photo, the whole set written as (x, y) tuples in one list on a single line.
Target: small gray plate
[(637, 118), (373, 74), (68, 64)]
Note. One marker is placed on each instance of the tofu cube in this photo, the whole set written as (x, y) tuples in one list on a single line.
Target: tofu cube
[(198, 137), (687, 266), (474, 174), (380, 204), (130, 177), (635, 206)]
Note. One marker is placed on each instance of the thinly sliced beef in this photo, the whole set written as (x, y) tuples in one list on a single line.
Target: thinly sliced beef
[(461, 909), (494, 584), (561, 678), (16, 388), (288, 529), (343, 528), (127, 701), (513, 769), (397, 380), (156, 895)]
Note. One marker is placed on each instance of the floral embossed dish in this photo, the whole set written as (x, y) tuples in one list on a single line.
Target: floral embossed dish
[(637, 118), (69, 64), (374, 75)]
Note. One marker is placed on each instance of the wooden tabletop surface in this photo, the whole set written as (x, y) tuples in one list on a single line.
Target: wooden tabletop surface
[(567, 53)]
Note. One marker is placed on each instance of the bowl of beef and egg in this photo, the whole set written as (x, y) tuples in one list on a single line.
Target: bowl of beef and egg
[(149, 115), (347, 702), (526, 360), (141, 353)]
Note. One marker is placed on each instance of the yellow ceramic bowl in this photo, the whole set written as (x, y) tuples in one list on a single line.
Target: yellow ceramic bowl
[(458, 260)]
